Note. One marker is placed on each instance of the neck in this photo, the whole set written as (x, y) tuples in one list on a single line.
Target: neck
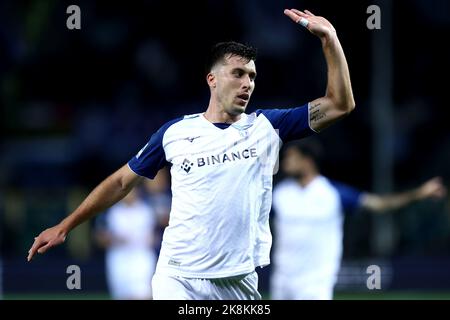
[(129, 203), (306, 179), (216, 113)]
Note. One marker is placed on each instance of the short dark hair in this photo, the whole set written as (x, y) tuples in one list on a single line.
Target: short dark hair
[(220, 50), (310, 148)]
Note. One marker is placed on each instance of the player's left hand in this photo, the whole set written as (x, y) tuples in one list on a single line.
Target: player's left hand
[(318, 26), (47, 239)]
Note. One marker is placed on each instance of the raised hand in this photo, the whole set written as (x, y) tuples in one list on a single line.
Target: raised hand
[(318, 26)]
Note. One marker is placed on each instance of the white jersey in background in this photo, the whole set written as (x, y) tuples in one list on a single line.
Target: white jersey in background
[(308, 226), (130, 263), (221, 189)]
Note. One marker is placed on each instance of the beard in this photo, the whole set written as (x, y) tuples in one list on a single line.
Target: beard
[(296, 175)]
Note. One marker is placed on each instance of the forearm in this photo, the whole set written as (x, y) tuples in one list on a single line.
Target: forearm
[(338, 101), (106, 194), (382, 203), (339, 88)]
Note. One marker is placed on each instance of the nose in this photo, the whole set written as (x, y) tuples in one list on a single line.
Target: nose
[(246, 83)]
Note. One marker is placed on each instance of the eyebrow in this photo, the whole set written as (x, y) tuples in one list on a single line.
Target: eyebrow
[(251, 73)]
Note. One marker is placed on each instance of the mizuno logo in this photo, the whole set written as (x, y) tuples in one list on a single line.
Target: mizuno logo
[(190, 139), (173, 262)]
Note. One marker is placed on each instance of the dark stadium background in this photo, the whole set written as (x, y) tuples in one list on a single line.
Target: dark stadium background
[(78, 104)]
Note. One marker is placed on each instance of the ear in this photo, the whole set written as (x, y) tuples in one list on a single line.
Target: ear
[(211, 80)]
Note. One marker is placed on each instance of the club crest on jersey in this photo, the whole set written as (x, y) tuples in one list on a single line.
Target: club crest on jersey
[(243, 133)]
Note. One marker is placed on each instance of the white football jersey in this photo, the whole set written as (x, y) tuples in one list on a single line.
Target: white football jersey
[(309, 232), (134, 223), (221, 189), (131, 262)]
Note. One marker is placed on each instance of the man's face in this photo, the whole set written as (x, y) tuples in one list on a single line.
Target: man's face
[(294, 163), (233, 83)]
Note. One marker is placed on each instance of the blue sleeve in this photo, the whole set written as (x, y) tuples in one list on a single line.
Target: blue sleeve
[(151, 158), (292, 124), (350, 196)]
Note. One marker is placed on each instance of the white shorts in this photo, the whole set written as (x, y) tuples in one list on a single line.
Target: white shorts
[(242, 287)]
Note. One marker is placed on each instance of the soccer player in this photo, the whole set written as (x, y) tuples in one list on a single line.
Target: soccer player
[(127, 232), (308, 220), (222, 164)]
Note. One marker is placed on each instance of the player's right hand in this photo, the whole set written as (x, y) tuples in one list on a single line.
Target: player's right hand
[(433, 188), (46, 240), (317, 25)]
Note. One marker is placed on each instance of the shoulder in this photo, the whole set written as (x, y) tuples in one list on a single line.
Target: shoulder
[(275, 113), (349, 195), (183, 120), (326, 187), (176, 124), (291, 123), (283, 192), (283, 186), (270, 114), (325, 182), (343, 188)]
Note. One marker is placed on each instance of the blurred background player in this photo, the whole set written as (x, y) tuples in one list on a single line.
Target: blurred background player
[(129, 232), (309, 215), (158, 195)]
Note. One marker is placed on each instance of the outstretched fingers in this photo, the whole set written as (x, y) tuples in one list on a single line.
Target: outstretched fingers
[(294, 17), (34, 248), (297, 16), (39, 246), (300, 13), (47, 239), (45, 248)]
